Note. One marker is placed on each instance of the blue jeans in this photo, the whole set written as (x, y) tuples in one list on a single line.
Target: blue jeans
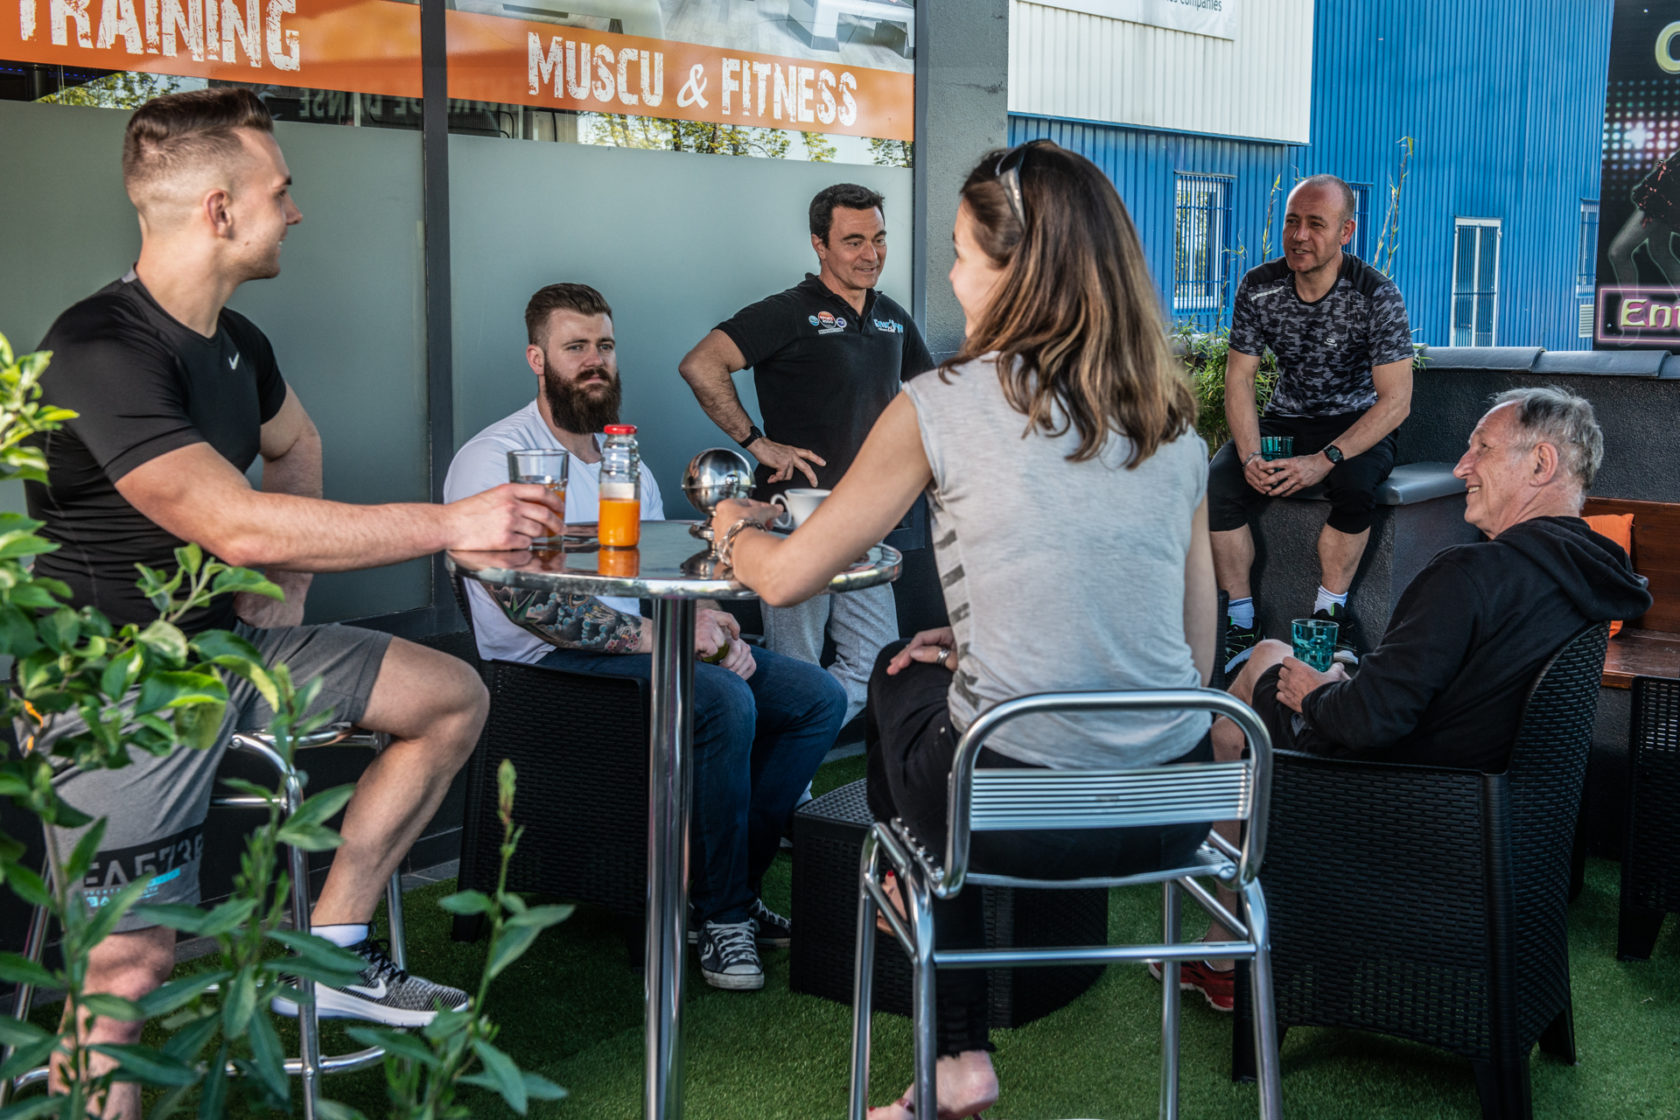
[(756, 744)]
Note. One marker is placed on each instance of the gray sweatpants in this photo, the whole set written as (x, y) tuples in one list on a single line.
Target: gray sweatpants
[(862, 623)]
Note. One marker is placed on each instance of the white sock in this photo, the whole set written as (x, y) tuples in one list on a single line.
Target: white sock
[(1242, 613), (343, 936), (1328, 599)]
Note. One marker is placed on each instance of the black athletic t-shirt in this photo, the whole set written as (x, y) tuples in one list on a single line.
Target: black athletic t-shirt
[(143, 384), (823, 372), (1325, 350)]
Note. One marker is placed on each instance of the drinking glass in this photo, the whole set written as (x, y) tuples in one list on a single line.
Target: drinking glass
[(1277, 447), (545, 467), (1314, 641)]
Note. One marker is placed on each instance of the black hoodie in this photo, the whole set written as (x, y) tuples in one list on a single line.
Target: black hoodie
[(1447, 682)]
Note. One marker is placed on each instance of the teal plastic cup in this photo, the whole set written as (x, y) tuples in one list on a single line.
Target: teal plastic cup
[(1277, 447), (1315, 641)]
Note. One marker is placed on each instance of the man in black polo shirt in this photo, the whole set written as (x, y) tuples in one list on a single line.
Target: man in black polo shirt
[(827, 357), (1344, 351)]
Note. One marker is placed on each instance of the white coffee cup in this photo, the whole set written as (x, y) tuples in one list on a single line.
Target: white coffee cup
[(797, 506)]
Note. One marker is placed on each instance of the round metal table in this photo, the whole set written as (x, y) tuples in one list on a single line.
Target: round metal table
[(673, 568)]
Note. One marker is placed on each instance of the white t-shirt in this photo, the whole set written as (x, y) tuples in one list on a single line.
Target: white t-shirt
[(481, 464)]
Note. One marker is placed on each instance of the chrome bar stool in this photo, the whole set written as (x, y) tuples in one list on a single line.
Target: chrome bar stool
[(1014, 800), (310, 1064)]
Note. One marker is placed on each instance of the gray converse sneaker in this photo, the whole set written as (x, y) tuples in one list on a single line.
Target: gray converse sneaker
[(383, 993), (729, 957), (774, 931)]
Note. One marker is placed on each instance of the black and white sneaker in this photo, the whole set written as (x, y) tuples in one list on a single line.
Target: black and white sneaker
[(383, 993), (729, 956), (1239, 643), (774, 931)]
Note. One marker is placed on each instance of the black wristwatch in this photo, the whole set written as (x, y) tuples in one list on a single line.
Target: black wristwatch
[(752, 435), (1333, 453)]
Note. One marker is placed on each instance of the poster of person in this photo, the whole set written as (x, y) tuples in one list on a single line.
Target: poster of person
[(1638, 273)]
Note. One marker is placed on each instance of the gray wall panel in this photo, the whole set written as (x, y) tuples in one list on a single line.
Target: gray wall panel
[(675, 241)]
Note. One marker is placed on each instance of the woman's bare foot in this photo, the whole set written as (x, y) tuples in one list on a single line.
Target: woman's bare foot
[(966, 1085)]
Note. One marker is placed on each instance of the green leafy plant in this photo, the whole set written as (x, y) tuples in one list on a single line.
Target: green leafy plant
[(1203, 352), (424, 1072), (1391, 218), (156, 689)]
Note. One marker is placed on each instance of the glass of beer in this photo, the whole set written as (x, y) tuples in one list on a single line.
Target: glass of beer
[(544, 467)]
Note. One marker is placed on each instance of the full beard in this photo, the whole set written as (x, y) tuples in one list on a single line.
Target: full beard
[(577, 407)]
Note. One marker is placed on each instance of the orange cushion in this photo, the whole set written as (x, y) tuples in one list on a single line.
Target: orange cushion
[(1619, 528)]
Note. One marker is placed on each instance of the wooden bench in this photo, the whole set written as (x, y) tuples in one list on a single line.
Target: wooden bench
[(1649, 645)]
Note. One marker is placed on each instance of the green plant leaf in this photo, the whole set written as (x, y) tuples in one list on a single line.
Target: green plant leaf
[(34, 1107), (105, 918), (119, 676), (174, 688), (540, 1088), (28, 885), (467, 902), (333, 1110), (267, 1057), (503, 1069), (81, 857), (212, 1099), (188, 1038), (394, 1042), (224, 646), (15, 968), (241, 1004), (166, 641), (113, 1007), (59, 629), (541, 917), (21, 1032), (509, 948), (200, 725), (142, 1063), (231, 580), (33, 595), (309, 837), (16, 544), (180, 992), (26, 1058)]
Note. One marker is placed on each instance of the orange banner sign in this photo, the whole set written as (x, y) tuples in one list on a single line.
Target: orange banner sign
[(365, 46), (529, 63), (373, 46)]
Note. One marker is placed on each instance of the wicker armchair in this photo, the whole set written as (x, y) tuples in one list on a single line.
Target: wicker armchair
[(1428, 903), (1650, 876), (580, 746)]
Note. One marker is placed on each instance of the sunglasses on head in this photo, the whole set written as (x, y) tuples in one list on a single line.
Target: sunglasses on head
[(1008, 172)]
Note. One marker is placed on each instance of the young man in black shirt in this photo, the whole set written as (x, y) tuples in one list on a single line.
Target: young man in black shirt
[(1344, 350), (827, 357), (176, 397)]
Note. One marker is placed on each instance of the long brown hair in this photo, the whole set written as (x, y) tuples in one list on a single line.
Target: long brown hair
[(1075, 320)]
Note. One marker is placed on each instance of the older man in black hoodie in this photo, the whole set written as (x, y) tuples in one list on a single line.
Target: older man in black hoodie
[(1447, 682), (1446, 685)]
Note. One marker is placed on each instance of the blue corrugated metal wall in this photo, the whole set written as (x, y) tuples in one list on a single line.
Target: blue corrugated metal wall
[(1505, 101)]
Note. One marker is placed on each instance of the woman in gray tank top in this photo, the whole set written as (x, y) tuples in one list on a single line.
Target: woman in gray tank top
[(1070, 530)]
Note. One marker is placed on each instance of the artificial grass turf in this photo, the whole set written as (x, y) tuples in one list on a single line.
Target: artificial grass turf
[(571, 1009)]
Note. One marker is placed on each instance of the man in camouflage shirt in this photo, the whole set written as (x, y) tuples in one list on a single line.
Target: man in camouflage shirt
[(1344, 350)]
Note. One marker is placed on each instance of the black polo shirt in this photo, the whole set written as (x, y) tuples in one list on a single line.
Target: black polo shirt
[(823, 372)]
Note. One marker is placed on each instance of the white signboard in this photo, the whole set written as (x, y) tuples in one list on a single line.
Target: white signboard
[(1216, 18)]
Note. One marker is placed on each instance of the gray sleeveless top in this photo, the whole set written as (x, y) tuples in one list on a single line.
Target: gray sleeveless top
[(1059, 575)]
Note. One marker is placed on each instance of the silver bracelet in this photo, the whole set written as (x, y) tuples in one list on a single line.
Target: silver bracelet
[(1250, 458), (726, 547)]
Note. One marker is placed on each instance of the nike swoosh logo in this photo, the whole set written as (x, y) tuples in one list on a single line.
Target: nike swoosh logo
[(364, 990), (233, 362)]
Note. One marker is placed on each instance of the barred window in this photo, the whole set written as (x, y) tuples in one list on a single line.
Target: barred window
[(1475, 283), (1201, 241)]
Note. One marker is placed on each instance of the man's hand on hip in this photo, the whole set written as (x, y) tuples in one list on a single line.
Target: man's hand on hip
[(1286, 476), (784, 459)]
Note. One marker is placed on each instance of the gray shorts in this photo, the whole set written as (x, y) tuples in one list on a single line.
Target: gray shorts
[(155, 807)]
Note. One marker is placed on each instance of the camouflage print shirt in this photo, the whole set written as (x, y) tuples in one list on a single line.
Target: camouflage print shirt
[(1325, 350)]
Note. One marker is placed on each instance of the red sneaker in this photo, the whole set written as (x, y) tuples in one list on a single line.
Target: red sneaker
[(1217, 987)]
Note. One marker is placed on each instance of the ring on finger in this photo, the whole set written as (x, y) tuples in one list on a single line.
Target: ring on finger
[(943, 656)]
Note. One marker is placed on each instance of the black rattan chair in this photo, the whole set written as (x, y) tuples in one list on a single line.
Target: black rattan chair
[(580, 746), (1650, 873), (1428, 903)]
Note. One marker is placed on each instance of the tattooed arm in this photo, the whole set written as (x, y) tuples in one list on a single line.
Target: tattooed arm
[(577, 621)]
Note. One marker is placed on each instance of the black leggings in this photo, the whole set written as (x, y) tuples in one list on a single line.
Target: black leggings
[(910, 746)]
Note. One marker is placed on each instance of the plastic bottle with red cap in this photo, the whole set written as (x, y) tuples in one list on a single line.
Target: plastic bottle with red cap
[(620, 501)]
